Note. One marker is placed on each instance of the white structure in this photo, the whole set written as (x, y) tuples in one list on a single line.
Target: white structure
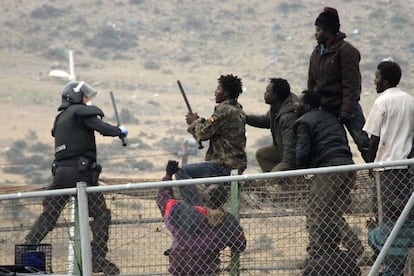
[(64, 74)]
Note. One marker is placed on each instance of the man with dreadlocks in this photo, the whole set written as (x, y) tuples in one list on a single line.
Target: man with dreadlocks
[(225, 129)]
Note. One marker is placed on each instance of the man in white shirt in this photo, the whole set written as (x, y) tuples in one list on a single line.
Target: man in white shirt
[(390, 126), (391, 121)]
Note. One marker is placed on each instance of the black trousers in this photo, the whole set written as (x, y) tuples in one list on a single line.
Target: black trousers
[(67, 177), (396, 186)]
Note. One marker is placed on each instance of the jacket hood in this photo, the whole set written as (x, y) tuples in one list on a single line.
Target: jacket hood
[(215, 217), (288, 104), (185, 217), (336, 43)]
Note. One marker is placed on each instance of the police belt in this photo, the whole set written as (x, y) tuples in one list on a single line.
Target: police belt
[(71, 162)]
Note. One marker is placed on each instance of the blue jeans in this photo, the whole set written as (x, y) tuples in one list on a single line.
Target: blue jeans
[(198, 170), (360, 137)]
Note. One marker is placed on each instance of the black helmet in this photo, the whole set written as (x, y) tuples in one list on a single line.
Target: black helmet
[(74, 91)]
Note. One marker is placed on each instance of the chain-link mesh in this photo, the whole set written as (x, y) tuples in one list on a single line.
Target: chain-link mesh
[(391, 190), (200, 233), (19, 215), (292, 225)]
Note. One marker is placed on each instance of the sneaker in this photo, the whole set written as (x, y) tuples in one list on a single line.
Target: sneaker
[(105, 266), (167, 252)]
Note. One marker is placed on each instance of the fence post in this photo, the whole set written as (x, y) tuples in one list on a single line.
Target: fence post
[(379, 197), (83, 226), (76, 241), (234, 208), (184, 157), (71, 232)]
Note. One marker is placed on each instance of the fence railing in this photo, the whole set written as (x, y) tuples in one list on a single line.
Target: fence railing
[(275, 211)]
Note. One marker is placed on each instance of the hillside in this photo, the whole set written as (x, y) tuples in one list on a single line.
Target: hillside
[(139, 48)]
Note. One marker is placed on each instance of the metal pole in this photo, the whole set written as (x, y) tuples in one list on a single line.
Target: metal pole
[(86, 251), (71, 253), (213, 180), (184, 158), (75, 232), (392, 236), (235, 210), (379, 197), (71, 66)]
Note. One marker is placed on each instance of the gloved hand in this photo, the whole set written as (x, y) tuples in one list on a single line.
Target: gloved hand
[(172, 167), (124, 131), (345, 117)]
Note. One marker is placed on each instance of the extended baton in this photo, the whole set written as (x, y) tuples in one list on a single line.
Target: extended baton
[(187, 103), (184, 96), (123, 138)]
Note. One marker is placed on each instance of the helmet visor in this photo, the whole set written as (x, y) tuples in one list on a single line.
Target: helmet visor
[(86, 89)]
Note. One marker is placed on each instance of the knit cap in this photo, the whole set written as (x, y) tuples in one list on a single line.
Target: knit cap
[(328, 19)]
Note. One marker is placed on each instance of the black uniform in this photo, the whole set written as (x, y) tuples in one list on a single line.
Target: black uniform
[(75, 161)]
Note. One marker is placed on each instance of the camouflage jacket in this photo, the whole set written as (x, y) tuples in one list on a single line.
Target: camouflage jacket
[(227, 134)]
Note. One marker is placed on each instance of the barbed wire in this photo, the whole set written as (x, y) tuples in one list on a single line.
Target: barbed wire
[(118, 157)]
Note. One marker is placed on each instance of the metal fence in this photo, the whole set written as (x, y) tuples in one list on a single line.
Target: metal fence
[(286, 217)]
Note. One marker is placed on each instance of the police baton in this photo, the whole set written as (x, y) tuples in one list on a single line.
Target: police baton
[(123, 138), (187, 103)]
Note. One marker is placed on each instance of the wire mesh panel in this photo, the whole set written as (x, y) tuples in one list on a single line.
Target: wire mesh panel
[(292, 225), (391, 191), (19, 215), (38, 256), (284, 219), (138, 237)]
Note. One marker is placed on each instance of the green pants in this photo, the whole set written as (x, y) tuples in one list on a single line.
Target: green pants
[(269, 159), (329, 197)]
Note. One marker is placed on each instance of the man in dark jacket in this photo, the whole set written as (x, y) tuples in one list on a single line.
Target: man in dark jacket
[(334, 73), (200, 233), (280, 119), (75, 161), (322, 142)]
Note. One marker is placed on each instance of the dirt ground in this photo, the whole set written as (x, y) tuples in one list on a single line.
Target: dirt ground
[(190, 41), (255, 40)]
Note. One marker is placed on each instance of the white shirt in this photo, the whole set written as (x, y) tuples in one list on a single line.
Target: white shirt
[(392, 119)]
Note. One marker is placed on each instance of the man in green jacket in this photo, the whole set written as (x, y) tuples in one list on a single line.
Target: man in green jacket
[(280, 118), (225, 131)]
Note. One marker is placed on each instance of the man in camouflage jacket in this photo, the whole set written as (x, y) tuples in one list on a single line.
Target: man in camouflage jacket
[(225, 129)]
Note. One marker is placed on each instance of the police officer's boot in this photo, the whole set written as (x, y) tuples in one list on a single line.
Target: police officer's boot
[(99, 261), (100, 264)]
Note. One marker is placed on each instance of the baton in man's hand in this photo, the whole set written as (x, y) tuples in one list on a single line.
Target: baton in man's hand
[(118, 121), (187, 103)]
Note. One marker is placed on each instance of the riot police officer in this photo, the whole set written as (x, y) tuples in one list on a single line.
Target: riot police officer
[(75, 161)]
